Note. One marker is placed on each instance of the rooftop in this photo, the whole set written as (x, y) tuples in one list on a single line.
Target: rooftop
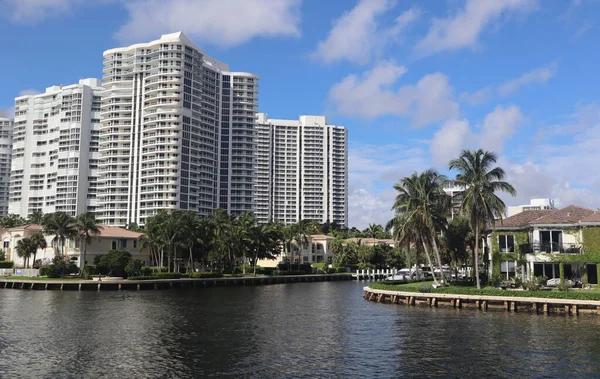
[(571, 214)]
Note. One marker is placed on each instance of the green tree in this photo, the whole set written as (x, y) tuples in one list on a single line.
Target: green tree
[(480, 180), (113, 263), (11, 221), (87, 226), (62, 226), (422, 199), (457, 237), (40, 242), (133, 267), (36, 218), (25, 249)]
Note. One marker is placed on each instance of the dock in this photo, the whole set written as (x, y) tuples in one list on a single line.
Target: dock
[(507, 303), (371, 274), (155, 284)]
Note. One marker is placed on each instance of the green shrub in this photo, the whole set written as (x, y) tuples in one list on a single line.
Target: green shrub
[(320, 268), (425, 288), (291, 272), (90, 270), (7, 264), (535, 283), (206, 275), (563, 286), (2, 255), (44, 270), (168, 275), (114, 262), (134, 266), (60, 267), (143, 277), (265, 270), (146, 271)]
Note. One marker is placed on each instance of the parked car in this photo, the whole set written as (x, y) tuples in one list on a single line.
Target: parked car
[(556, 281)]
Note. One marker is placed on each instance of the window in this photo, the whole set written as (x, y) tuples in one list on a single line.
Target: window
[(135, 244), (123, 244), (6, 244), (113, 245), (506, 243)]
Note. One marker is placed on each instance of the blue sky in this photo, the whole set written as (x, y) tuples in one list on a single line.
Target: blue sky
[(414, 82)]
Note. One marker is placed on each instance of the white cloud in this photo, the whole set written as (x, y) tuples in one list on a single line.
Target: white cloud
[(224, 22), (478, 97), (28, 11), (448, 142), (366, 207), (538, 75), (404, 21), (498, 126), (355, 35), (456, 135), (372, 95), (462, 30)]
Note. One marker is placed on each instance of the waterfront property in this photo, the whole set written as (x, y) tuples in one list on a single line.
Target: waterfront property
[(539, 242), (110, 238), (316, 250)]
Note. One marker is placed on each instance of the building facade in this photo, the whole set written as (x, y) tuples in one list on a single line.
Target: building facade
[(54, 154), (301, 171), (6, 130), (534, 204), (177, 132)]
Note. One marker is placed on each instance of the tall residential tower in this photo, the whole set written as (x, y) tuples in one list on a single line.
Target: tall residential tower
[(54, 154), (6, 130), (177, 132), (302, 171)]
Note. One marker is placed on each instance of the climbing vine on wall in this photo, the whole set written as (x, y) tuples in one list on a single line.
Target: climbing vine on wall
[(521, 239)]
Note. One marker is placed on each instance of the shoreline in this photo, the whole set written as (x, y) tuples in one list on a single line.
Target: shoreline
[(538, 305), (117, 285)]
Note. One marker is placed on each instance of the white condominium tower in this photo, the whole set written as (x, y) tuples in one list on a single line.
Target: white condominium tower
[(6, 127), (177, 132), (54, 154), (302, 171)]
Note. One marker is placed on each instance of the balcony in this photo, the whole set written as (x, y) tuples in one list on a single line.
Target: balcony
[(550, 248)]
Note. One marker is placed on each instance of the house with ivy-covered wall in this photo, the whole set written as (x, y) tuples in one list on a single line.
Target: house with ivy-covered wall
[(547, 243)]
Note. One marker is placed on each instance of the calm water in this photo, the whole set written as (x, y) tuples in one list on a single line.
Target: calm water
[(302, 330)]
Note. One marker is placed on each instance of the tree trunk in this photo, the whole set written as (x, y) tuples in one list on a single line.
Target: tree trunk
[(244, 262), (175, 265), (438, 256), (408, 260), (84, 255), (192, 257), (34, 255), (435, 282), (162, 258), (477, 256)]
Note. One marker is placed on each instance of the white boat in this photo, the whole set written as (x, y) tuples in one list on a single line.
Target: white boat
[(405, 274)]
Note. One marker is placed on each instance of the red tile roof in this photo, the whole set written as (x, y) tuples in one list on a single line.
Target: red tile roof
[(105, 231), (567, 215), (593, 218), (522, 219)]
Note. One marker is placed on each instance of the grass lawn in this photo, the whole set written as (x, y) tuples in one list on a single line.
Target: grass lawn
[(575, 294)]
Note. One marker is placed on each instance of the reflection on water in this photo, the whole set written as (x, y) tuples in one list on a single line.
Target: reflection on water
[(306, 330)]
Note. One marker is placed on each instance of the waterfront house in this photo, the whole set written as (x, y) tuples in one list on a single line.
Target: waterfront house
[(537, 242), (315, 250), (370, 241), (110, 238)]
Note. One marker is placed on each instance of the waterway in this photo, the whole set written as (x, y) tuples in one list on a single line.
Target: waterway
[(305, 330)]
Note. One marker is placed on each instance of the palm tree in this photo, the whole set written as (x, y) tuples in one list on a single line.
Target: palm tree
[(422, 199), (191, 232), (402, 235), (36, 218), (301, 231), (62, 226), (12, 220), (25, 249), (244, 226), (221, 242), (374, 230), (40, 242), (87, 226), (288, 233), (152, 240), (480, 181)]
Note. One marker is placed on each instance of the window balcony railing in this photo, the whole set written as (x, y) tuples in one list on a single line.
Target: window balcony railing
[(550, 247)]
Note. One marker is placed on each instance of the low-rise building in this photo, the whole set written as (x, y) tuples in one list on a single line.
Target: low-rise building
[(110, 238), (317, 249), (535, 243), (534, 204)]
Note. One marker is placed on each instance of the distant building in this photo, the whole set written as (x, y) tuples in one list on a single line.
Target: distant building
[(302, 171), (534, 205), (453, 190), (110, 238), (315, 251), (6, 128), (55, 150)]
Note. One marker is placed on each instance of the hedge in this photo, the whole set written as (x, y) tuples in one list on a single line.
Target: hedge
[(291, 272), (169, 275), (206, 275), (7, 264), (143, 277)]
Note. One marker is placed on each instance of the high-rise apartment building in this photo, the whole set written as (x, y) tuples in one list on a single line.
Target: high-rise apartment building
[(54, 153), (177, 132), (301, 171), (6, 127)]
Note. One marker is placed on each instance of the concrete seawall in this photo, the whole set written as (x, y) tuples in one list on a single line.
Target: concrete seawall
[(115, 285), (508, 303)]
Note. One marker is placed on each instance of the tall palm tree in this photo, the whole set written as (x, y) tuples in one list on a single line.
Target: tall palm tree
[(221, 242), (87, 226), (40, 243), (480, 180), (288, 233), (36, 218), (374, 230), (244, 226), (422, 199), (25, 249), (191, 232), (402, 235), (301, 232), (62, 226), (171, 230)]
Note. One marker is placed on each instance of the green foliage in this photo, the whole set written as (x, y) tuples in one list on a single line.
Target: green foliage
[(11, 221), (2, 255), (142, 277), (60, 267), (169, 275), (290, 272), (134, 266), (563, 286), (425, 288), (113, 263), (535, 283), (561, 271), (321, 267), (591, 239), (146, 271), (456, 236), (215, 274), (7, 264), (491, 291), (90, 270)]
